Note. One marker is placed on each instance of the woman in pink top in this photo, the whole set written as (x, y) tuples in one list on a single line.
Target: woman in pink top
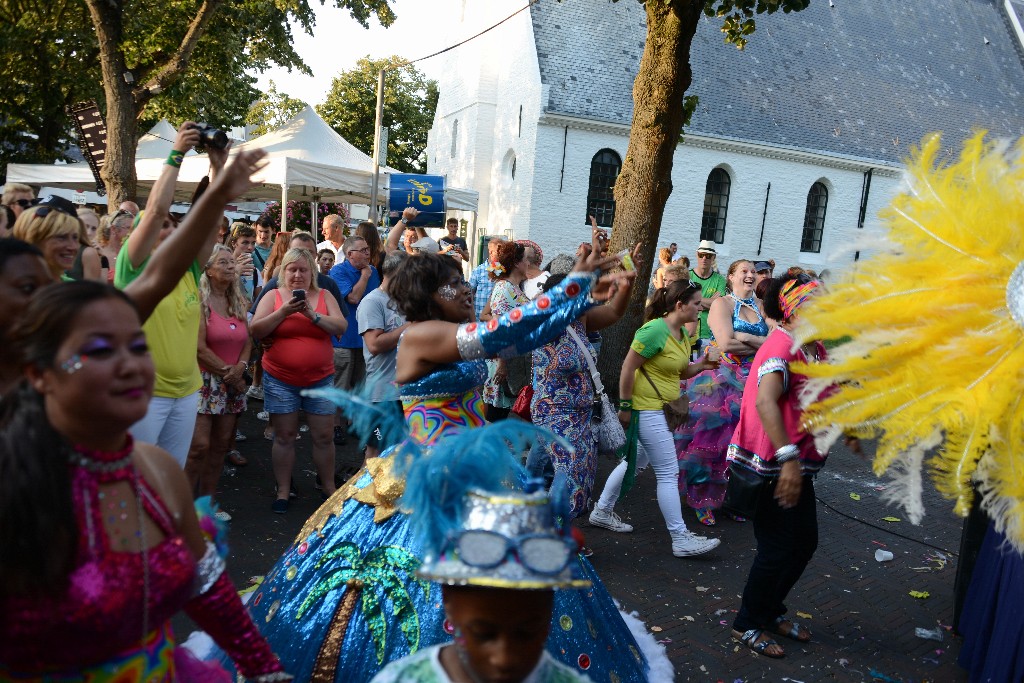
[(299, 318), (770, 440), (224, 344)]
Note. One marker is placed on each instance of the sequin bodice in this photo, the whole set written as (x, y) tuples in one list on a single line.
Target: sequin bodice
[(760, 329), (100, 613), (446, 399)]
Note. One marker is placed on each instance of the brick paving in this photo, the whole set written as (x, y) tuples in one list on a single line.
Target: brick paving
[(861, 613)]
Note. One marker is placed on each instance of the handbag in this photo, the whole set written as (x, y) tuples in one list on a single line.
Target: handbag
[(745, 490), (521, 407), (610, 434), (677, 411)]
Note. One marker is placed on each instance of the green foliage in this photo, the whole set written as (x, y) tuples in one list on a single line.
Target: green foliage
[(409, 103), (738, 15), (300, 214), (271, 110)]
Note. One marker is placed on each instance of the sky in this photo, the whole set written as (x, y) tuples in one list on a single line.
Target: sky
[(339, 42)]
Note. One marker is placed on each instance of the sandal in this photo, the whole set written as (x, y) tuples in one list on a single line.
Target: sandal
[(705, 516), (237, 459), (794, 632), (757, 640)]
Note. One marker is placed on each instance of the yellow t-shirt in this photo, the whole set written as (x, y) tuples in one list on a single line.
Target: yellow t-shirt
[(172, 331), (666, 358)]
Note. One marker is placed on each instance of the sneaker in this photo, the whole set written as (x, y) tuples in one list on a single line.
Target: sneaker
[(263, 415), (239, 436), (609, 520), (222, 516), (686, 544), (255, 392), (339, 436)]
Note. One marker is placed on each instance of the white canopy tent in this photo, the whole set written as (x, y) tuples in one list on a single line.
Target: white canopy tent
[(307, 161)]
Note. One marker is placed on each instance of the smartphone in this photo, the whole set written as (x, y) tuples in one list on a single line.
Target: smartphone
[(299, 294), (627, 260)]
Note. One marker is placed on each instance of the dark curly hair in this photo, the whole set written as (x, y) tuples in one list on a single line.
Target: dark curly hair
[(414, 282), (38, 529), (772, 307), (508, 255)]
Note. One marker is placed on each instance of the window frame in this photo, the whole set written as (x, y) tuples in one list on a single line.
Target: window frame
[(605, 166), (714, 198), (813, 233)]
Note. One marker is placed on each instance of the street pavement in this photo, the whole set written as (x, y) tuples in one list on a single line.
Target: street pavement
[(861, 611)]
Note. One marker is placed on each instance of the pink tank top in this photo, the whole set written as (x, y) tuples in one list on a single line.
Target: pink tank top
[(302, 353), (226, 337)]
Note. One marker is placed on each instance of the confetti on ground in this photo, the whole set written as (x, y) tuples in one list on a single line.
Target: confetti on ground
[(656, 629), (879, 676), (804, 615), (688, 617), (702, 589), (891, 519), (855, 496), (919, 594)]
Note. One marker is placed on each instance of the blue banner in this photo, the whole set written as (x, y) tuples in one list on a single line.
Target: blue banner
[(422, 192)]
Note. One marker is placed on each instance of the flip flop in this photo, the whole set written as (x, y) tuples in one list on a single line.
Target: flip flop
[(752, 640), (794, 630)]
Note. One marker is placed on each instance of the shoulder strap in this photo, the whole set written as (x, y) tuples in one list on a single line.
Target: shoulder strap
[(653, 385), (595, 376)]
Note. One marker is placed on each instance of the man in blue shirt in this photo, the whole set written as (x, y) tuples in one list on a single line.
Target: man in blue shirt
[(355, 278), (480, 279)]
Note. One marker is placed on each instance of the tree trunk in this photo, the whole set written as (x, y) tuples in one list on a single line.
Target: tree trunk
[(118, 172), (326, 666), (645, 182)]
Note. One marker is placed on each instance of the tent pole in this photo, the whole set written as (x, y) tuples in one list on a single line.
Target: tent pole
[(376, 146), (284, 207)]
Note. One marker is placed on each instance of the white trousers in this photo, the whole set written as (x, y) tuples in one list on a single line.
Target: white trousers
[(169, 424)]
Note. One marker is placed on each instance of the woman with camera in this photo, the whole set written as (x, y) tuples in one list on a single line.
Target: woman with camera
[(299, 319), (224, 344)]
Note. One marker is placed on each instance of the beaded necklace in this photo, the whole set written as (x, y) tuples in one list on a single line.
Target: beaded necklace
[(102, 467)]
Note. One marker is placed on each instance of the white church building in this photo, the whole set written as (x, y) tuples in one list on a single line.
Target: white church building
[(796, 144)]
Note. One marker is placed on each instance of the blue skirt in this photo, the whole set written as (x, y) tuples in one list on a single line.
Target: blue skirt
[(992, 622)]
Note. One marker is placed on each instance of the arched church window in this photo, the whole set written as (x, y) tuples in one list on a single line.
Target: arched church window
[(716, 206), (604, 169), (814, 218)]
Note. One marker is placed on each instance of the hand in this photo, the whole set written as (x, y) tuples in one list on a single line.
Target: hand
[(624, 417), (409, 214), (236, 178), (600, 235), (501, 373), (217, 157), (787, 491), (364, 272), (244, 263), (233, 373), (712, 358), (608, 284), (187, 138), (293, 306)]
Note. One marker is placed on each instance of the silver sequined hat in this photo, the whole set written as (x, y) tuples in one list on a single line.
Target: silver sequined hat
[(490, 521)]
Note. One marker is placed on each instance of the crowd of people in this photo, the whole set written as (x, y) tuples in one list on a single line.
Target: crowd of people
[(136, 340)]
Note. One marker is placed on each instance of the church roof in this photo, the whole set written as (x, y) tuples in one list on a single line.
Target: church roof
[(855, 78)]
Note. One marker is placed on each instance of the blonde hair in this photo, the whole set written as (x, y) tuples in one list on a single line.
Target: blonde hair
[(85, 211), (103, 232), (52, 224), (237, 304), (11, 189), (293, 255)]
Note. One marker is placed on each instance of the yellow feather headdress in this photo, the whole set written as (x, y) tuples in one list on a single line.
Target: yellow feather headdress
[(935, 364)]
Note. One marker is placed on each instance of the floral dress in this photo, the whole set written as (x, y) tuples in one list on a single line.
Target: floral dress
[(504, 297), (563, 400)]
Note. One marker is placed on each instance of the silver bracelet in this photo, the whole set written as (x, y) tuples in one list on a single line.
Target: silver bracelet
[(787, 453)]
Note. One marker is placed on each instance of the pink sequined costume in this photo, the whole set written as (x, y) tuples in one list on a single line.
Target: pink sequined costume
[(112, 620)]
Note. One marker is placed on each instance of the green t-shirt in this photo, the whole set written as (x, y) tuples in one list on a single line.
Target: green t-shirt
[(172, 331), (711, 285), (666, 358)]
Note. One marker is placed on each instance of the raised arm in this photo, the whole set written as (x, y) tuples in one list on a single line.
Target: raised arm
[(144, 237), (181, 249), (398, 229)]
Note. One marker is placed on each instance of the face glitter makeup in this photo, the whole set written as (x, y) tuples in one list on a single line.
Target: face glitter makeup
[(73, 364), (447, 292)]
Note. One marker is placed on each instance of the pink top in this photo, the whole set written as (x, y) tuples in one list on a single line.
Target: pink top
[(100, 613), (226, 337), (302, 353), (750, 446)]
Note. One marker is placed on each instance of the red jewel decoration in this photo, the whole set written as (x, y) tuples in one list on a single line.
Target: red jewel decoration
[(449, 627), (303, 547), (515, 315), (471, 328), (256, 600), (543, 302), (584, 662), (572, 289), (492, 324)]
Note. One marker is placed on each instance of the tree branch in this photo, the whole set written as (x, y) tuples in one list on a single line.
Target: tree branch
[(178, 62)]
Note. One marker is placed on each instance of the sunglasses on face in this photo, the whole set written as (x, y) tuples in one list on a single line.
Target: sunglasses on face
[(25, 203)]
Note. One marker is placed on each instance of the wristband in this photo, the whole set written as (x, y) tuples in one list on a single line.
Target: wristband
[(625, 404), (175, 158), (316, 318), (787, 453)]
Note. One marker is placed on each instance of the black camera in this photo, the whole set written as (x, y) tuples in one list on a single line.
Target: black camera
[(210, 136)]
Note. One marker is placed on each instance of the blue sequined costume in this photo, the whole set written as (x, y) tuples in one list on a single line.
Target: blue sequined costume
[(343, 600)]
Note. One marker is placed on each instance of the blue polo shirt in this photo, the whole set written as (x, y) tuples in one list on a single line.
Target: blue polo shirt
[(346, 276)]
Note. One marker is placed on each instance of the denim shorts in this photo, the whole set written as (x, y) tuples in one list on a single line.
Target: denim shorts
[(280, 398)]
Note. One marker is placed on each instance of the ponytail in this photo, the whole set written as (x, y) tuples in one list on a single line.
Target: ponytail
[(665, 299), (657, 307)]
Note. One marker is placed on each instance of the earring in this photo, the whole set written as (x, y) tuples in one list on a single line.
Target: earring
[(73, 364)]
